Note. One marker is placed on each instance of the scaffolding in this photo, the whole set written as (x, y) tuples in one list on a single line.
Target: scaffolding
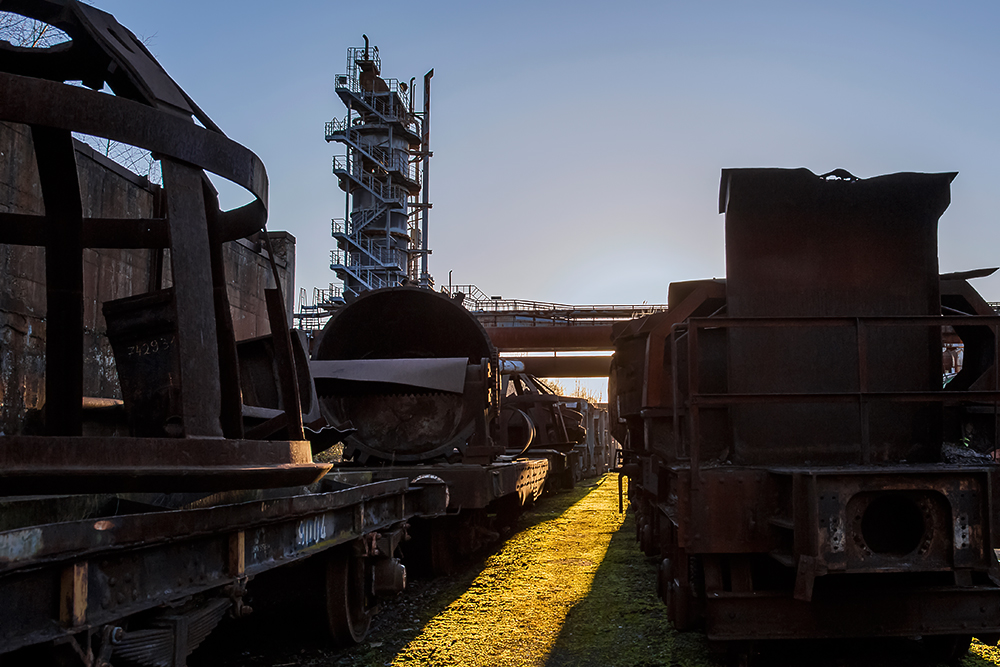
[(382, 238)]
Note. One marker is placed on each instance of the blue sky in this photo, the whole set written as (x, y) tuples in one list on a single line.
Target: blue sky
[(578, 146)]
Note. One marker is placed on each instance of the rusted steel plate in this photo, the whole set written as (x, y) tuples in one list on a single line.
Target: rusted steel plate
[(56, 105), (802, 245), (39, 464), (63, 279), (138, 562), (469, 486), (441, 374), (406, 323), (867, 612)]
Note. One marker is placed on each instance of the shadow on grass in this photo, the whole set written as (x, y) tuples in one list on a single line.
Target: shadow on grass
[(621, 622), (283, 636)]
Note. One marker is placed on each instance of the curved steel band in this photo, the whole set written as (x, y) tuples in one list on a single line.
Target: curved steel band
[(51, 104)]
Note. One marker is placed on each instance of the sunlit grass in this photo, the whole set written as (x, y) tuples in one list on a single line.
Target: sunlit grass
[(980, 654), (514, 611)]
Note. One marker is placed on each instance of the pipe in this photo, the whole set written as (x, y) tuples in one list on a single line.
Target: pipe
[(366, 45), (426, 141)]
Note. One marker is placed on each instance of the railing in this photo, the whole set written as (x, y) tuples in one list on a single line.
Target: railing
[(379, 257), (356, 54), (313, 316), (328, 295), (385, 158), (359, 220), (472, 293), (391, 104), (385, 191)]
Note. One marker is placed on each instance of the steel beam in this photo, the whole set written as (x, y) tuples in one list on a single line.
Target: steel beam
[(567, 367), (559, 338)]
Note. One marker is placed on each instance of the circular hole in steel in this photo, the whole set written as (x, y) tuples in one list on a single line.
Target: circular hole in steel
[(893, 525)]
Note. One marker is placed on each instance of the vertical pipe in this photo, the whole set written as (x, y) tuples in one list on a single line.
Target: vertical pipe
[(694, 429), (425, 140), (675, 386)]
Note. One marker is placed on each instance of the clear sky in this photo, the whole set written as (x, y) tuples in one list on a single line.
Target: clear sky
[(577, 146)]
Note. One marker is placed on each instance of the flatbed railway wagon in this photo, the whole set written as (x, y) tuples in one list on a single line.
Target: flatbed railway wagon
[(792, 455), (142, 579)]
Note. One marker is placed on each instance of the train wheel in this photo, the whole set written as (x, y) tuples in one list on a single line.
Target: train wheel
[(947, 648), (347, 611)]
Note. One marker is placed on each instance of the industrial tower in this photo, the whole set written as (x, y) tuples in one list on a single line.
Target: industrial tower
[(382, 238)]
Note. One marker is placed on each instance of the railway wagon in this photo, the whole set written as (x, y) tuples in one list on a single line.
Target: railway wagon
[(793, 454), (413, 380), (141, 491), (570, 432)]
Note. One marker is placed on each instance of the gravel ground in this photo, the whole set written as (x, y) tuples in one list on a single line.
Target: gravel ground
[(570, 588)]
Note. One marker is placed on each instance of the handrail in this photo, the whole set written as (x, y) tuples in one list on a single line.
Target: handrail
[(385, 158), (483, 305), (386, 191)]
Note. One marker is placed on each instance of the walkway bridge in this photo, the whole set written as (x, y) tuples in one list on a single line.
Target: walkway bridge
[(518, 327)]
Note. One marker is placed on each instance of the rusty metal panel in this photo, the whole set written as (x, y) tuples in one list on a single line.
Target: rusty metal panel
[(142, 330), (852, 612), (400, 422), (748, 495), (149, 111), (800, 245), (48, 464), (137, 562), (469, 486), (894, 518)]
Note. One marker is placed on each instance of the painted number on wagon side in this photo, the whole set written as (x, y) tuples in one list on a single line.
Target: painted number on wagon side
[(161, 344), (311, 531)]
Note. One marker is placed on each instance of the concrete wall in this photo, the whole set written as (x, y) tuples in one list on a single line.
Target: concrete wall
[(109, 190)]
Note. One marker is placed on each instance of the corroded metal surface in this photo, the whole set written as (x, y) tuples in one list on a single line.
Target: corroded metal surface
[(136, 562), (148, 110), (396, 420), (795, 460)]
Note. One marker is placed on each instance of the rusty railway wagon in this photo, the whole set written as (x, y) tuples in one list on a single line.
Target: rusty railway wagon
[(151, 467), (792, 455), (412, 380)]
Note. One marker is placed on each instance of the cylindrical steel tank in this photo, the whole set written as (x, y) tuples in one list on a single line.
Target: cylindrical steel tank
[(414, 372)]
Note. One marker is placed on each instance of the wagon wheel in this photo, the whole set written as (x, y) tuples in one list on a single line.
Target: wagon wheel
[(347, 611)]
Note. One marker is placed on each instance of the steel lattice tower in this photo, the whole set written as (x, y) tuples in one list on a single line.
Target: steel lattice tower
[(382, 238)]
